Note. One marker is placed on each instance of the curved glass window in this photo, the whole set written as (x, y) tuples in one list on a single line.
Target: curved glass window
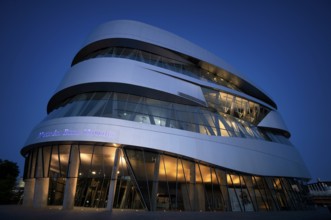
[(221, 101), (161, 113), (235, 106), (187, 68), (155, 181)]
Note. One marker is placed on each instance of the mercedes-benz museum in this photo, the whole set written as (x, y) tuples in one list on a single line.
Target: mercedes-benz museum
[(147, 120)]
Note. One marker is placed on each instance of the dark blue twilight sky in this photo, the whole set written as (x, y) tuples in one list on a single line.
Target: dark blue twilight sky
[(282, 46)]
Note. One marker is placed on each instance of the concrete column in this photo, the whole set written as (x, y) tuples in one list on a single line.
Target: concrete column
[(29, 185), (41, 184), (155, 183), (71, 181), (41, 192), (113, 180)]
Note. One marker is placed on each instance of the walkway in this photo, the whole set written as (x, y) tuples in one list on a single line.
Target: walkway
[(18, 212)]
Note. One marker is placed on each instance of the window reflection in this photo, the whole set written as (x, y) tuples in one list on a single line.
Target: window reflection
[(156, 181), (181, 64), (155, 112)]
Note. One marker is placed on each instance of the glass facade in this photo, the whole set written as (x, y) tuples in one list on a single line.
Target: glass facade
[(235, 106), (224, 121), (153, 180), (175, 62), (78, 169)]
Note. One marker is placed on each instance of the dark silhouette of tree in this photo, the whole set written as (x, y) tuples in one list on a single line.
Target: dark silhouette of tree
[(8, 174)]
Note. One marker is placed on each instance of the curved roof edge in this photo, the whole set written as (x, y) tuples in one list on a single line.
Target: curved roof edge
[(129, 29), (274, 120)]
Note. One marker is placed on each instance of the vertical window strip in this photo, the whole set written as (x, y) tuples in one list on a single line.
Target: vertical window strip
[(289, 198), (262, 196), (204, 188), (134, 179), (248, 191), (166, 178), (59, 160), (220, 187), (146, 180), (185, 183), (271, 191), (235, 191), (177, 183)]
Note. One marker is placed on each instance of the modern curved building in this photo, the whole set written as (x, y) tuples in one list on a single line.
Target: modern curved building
[(147, 120)]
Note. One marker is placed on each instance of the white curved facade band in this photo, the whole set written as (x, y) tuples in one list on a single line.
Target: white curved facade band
[(245, 155), (273, 120), (127, 72), (147, 120)]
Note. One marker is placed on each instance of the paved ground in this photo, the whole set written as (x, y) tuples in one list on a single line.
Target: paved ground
[(19, 212)]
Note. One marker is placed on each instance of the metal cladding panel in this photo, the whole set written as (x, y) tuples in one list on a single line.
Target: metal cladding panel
[(273, 120), (245, 155), (117, 70), (146, 33), (253, 156)]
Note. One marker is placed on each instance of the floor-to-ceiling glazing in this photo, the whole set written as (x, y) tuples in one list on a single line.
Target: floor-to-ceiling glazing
[(152, 180)]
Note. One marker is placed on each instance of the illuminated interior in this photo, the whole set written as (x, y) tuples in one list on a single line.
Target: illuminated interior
[(154, 180), (159, 125), (227, 115)]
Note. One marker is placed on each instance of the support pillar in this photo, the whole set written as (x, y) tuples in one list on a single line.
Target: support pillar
[(40, 192), (29, 185), (113, 180), (71, 181), (41, 183)]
